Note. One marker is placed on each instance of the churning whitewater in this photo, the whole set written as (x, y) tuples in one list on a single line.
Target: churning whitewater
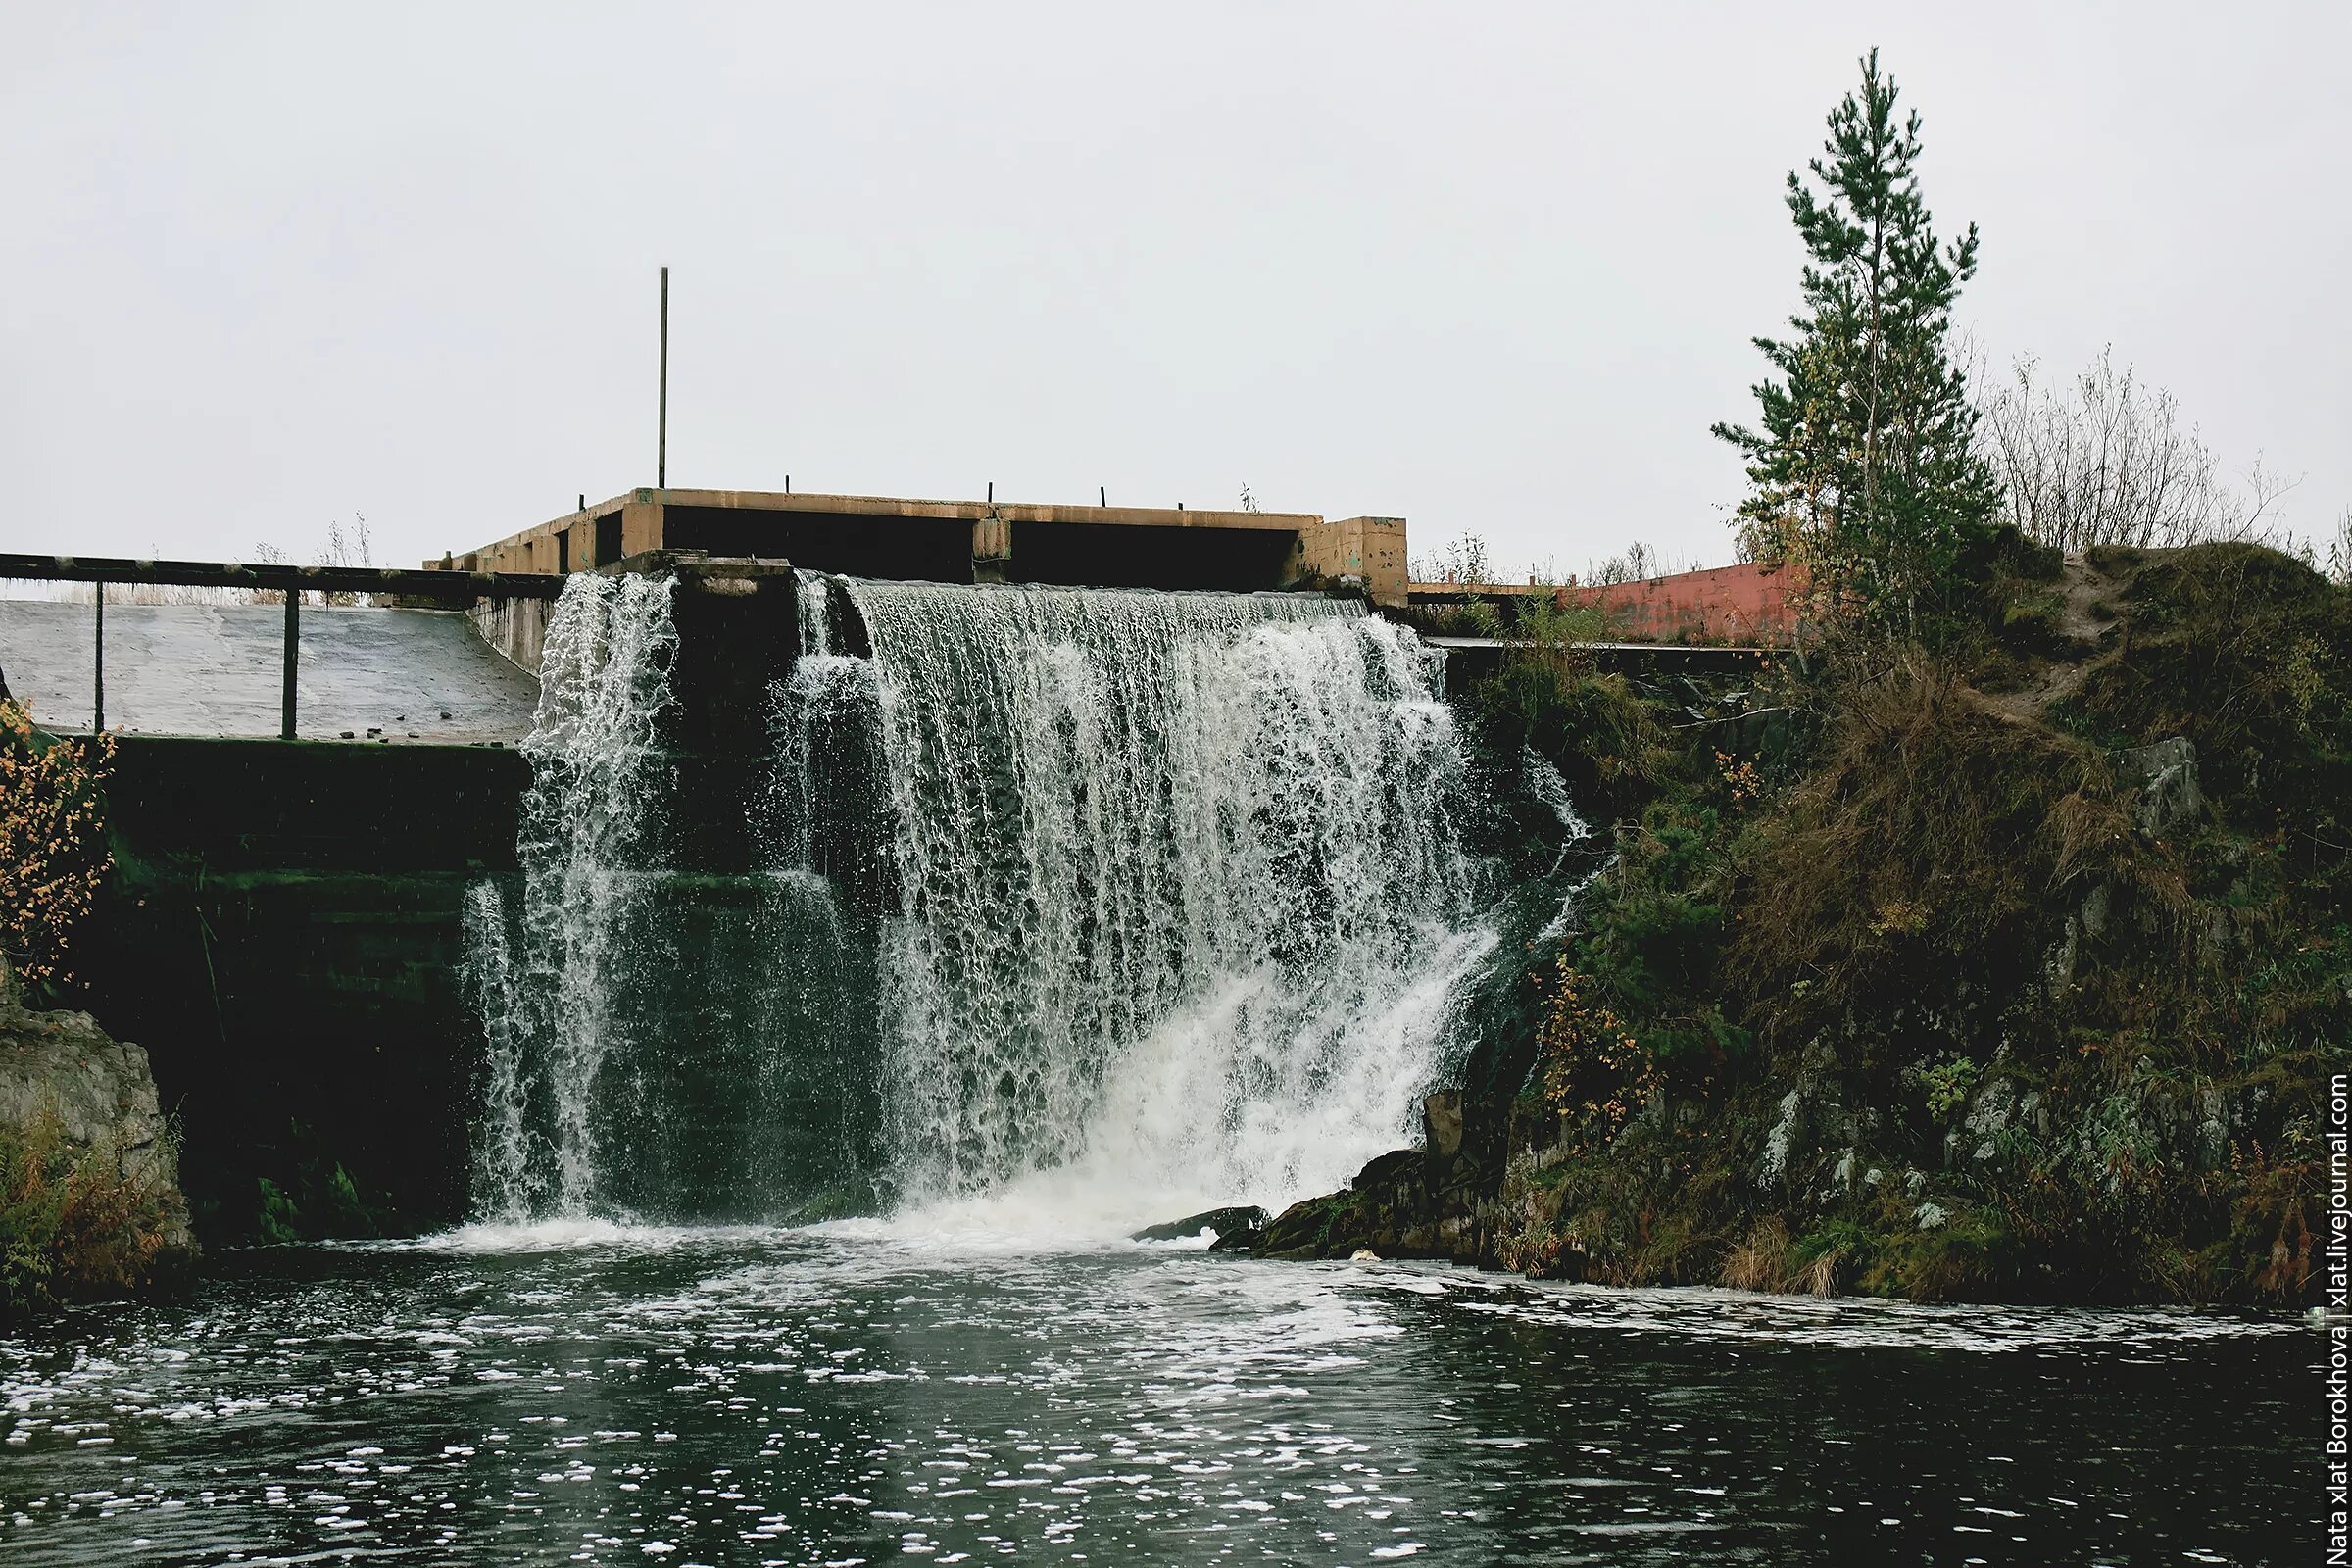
[(1121, 903)]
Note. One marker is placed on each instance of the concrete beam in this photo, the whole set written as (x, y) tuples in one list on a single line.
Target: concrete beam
[(447, 587), (978, 511), (571, 542)]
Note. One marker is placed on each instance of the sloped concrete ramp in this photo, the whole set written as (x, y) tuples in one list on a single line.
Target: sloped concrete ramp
[(215, 670)]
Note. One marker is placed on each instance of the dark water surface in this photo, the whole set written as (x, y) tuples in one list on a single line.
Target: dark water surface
[(854, 1395)]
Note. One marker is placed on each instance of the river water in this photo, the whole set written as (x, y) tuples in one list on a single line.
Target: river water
[(873, 1391)]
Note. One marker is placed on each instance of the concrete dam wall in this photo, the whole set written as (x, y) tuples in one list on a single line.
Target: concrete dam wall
[(363, 966), (284, 933)]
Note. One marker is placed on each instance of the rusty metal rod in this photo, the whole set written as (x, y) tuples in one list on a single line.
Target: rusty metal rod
[(661, 432)]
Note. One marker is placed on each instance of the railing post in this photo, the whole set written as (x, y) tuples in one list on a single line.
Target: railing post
[(98, 669), (286, 727)]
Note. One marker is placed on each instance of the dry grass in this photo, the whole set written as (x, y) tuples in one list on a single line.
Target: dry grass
[(1765, 1260), (1934, 824), (1825, 1275)]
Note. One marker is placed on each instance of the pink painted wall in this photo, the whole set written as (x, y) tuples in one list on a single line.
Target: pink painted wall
[(1746, 604)]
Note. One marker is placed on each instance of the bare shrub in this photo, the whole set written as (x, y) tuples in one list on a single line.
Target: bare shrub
[(53, 853), (1463, 559), (2108, 459), (1639, 564)]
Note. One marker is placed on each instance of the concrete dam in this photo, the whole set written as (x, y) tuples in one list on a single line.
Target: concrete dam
[(396, 923), (741, 854)]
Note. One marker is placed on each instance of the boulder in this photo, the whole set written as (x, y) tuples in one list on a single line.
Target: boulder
[(1301, 1230), (2166, 776), (1240, 1224), (1442, 1124), (101, 1094)]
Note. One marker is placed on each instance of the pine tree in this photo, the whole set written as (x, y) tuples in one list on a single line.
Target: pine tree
[(1865, 471)]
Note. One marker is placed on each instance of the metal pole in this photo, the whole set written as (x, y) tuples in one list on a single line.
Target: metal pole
[(98, 673), (285, 719), (661, 437)]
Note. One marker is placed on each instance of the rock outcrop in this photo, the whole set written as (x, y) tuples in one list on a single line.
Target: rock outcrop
[(1234, 1229), (64, 1081)]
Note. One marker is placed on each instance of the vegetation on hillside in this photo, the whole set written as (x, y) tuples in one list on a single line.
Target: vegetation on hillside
[(1925, 999), (75, 1222), (1998, 948)]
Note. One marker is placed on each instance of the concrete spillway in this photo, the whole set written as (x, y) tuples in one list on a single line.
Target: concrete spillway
[(215, 671)]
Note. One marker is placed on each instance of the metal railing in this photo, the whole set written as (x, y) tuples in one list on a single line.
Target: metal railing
[(441, 587)]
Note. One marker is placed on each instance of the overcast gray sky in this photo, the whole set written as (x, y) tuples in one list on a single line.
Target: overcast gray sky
[(1494, 268)]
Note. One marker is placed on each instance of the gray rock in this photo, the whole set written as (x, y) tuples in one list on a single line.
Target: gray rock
[(1441, 1123), (1989, 1111), (2215, 942), (1243, 1221), (1774, 1163), (102, 1093), (2095, 908), (1842, 1178), (2166, 775), (2058, 969)]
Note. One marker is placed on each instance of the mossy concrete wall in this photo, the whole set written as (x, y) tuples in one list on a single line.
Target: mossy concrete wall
[(283, 932)]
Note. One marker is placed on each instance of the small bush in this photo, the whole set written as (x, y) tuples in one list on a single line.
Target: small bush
[(73, 1228), (53, 853), (1949, 1084)]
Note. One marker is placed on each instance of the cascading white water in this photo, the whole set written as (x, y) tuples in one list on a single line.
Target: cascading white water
[(550, 993), (1181, 893), (1099, 905)]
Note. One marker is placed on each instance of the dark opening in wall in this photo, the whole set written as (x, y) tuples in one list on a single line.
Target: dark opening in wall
[(914, 549), (607, 539), (1083, 554), (562, 551)]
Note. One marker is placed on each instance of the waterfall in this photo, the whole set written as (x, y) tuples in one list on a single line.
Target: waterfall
[(553, 966), (1108, 901), (1182, 897)]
